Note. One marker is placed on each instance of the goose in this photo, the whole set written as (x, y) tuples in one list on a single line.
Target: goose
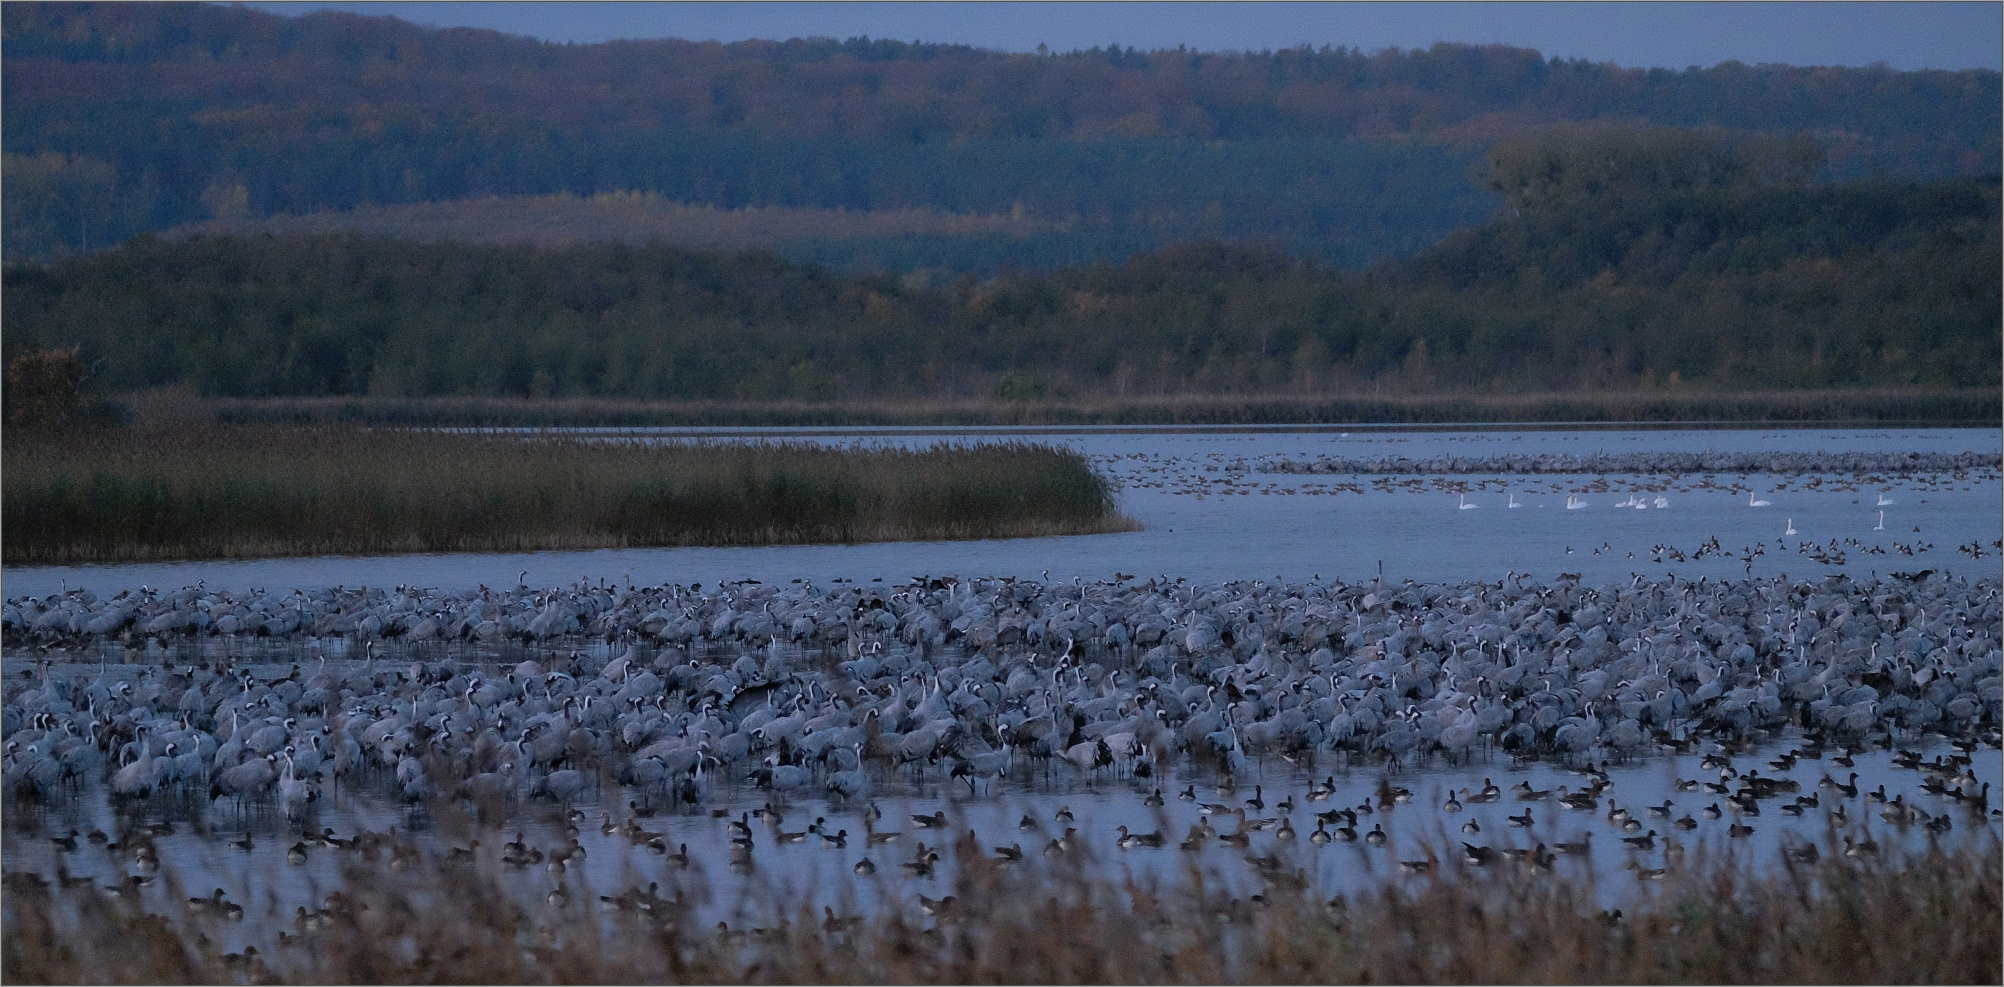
[(1739, 829), (1686, 822), (1188, 794), (1154, 800), (836, 842), (1130, 840), (1580, 847), (865, 867), (1471, 827), (1321, 835), (1376, 837), (1522, 822), (1452, 804), (1646, 841)]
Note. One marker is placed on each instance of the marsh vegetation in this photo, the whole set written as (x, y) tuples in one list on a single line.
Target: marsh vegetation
[(233, 491), (1930, 916)]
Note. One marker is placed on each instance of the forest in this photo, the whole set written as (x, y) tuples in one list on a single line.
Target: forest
[(1623, 258), (127, 118)]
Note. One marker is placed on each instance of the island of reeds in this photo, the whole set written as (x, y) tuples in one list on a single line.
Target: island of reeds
[(239, 491)]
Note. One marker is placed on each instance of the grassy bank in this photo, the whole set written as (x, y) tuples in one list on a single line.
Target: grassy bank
[(1836, 407), (237, 491), (1929, 917)]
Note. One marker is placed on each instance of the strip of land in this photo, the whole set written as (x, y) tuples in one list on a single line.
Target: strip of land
[(246, 491), (1966, 406)]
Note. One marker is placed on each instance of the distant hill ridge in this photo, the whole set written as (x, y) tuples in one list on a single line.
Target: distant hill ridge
[(121, 118)]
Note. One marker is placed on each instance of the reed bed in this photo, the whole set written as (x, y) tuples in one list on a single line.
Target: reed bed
[(236, 491), (1978, 406), (1924, 916)]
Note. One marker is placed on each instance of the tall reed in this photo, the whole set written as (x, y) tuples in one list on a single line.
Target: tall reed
[(210, 491), (1928, 916)]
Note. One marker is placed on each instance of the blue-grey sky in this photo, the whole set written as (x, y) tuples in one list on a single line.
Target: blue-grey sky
[(1671, 35)]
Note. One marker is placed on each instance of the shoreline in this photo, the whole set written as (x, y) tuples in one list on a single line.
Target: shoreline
[(1973, 407)]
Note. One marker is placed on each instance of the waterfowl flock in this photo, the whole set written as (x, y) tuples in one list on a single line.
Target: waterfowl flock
[(798, 688)]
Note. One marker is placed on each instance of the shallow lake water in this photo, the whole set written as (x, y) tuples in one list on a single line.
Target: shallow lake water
[(203, 857), (1209, 514)]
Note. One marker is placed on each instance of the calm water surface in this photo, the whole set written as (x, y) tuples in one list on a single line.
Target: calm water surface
[(1209, 515)]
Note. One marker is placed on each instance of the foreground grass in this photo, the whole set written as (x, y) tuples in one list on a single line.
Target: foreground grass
[(237, 491), (1924, 917), (1831, 407)]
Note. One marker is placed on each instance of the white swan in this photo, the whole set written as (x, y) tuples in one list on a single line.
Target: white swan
[(1662, 502), (1513, 501), (1465, 505), (1791, 528), (1884, 501), (1574, 503), (1882, 522), (1751, 502)]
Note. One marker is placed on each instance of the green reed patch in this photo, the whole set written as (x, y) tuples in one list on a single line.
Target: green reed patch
[(235, 491)]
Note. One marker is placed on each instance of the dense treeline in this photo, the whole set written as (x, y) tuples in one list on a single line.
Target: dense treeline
[(1707, 262), (129, 117)]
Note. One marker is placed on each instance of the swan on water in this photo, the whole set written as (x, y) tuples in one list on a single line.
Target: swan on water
[(1751, 502)]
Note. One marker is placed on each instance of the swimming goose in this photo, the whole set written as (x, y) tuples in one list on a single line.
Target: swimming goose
[(1524, 821)]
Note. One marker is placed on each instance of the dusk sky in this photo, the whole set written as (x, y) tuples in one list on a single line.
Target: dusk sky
[(1670, 35)]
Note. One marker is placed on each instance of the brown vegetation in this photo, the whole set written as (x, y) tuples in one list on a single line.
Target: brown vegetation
[(181, 491), (1925, 917), (621, 217), (1826, 407)]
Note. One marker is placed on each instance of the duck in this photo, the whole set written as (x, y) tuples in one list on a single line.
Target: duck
[(836, 842)]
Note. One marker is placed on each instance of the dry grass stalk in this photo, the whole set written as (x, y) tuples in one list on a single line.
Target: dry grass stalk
[(1929, 916)]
